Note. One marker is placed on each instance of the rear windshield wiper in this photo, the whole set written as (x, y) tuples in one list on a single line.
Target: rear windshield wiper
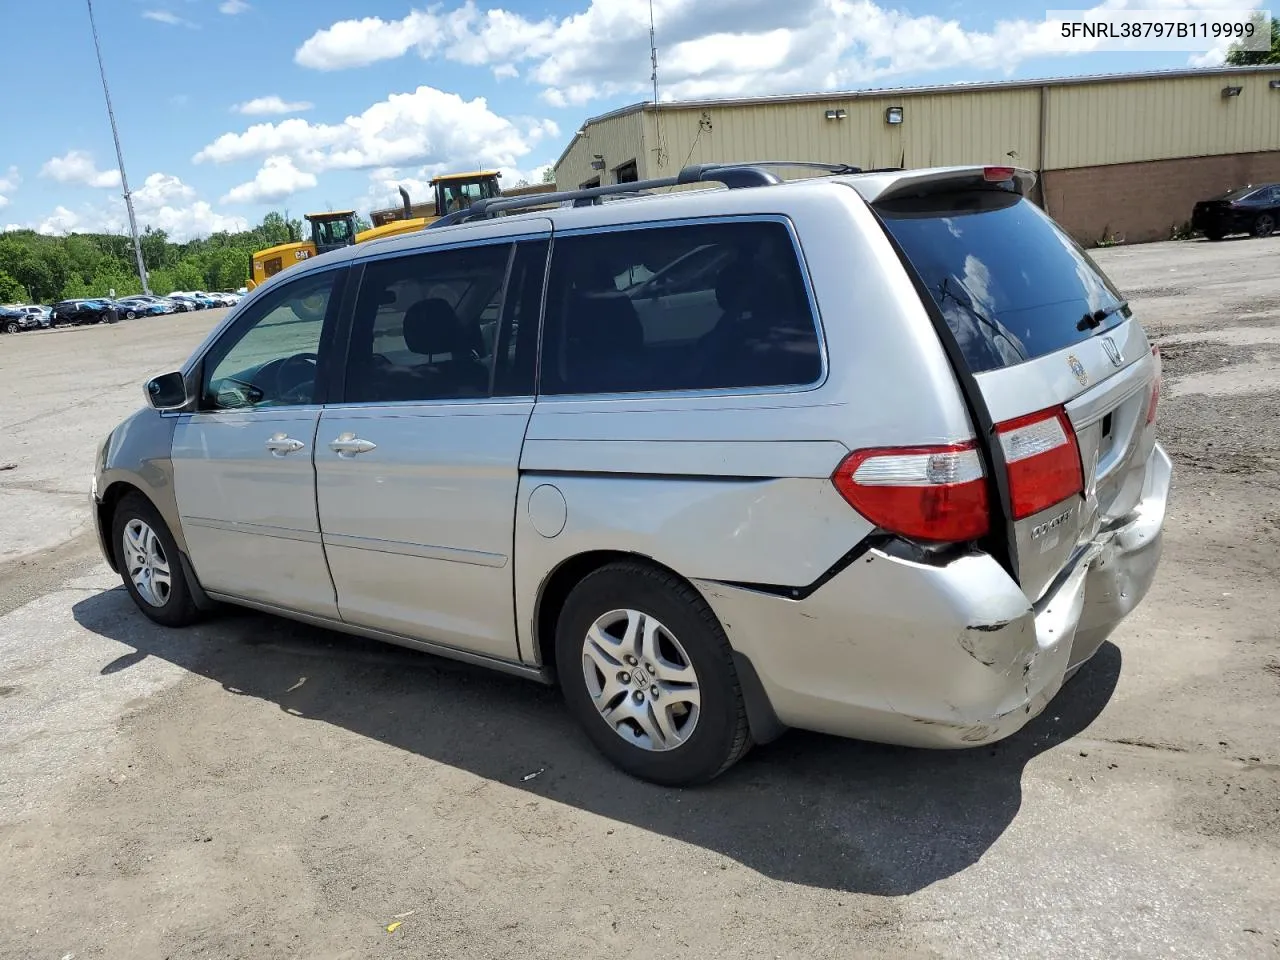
[(998, 330), (1091, 321)]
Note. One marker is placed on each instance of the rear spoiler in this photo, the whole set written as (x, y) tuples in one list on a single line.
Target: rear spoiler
[(890, 185)]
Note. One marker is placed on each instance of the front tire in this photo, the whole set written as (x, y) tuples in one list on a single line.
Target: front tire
[(150, 564), (1264, 225), (1214, 235), (11, 327), (647, 671)]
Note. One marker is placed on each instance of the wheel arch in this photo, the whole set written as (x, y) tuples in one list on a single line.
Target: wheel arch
[(555, 589), (105, 508)]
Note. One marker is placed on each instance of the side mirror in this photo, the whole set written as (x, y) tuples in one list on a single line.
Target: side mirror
[(167, 392)]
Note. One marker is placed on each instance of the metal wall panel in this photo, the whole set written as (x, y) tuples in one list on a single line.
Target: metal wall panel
[(618, 140), (1085, 125), (1095, 124)]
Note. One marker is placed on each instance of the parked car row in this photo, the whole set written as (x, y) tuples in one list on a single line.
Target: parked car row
[(15, 318)]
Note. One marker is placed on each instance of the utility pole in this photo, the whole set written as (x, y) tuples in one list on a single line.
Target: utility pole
[(124, 180)]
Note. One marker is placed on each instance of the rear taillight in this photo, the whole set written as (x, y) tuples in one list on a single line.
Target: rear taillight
[(1155, 385), (925, 493), (997, 174), (1042, 459)]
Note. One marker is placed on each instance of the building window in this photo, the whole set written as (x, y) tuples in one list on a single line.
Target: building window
[(627, 173), (588, 184)]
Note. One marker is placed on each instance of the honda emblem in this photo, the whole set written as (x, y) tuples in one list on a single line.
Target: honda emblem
[(1109, 345)]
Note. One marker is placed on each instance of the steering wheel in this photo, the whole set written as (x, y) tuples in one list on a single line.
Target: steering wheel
[(295, 378)]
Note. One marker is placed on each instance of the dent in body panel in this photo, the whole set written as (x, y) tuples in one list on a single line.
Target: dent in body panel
[(751, 530), (139, 453)]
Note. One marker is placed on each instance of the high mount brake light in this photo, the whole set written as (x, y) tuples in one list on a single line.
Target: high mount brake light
[(997, 174)]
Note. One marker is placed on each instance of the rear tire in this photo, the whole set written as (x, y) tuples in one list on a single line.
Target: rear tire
[(702, 728), (1264, 225), (150, 563), (11, 327)]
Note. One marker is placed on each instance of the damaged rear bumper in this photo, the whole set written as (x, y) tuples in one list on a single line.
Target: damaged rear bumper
[(945, 655)]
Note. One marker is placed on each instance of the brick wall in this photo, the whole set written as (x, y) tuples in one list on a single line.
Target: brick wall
[(1144, 201)]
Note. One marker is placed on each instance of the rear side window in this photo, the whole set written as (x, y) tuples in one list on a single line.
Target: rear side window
[(1010, 283), (699, 307)]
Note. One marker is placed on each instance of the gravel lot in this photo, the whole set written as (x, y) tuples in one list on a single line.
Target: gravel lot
[(254, 788)]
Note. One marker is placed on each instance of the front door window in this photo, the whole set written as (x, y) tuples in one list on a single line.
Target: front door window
[(270, 359)]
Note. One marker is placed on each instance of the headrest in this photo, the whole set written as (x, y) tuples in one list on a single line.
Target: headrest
[(736, 286), (431, 327)]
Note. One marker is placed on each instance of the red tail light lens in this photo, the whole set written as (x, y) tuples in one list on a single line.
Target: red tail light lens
[(1043, 461), (925, 493), (1155, 386), (997, 174)]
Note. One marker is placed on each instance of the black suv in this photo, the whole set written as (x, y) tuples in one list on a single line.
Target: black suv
[(78, 312)]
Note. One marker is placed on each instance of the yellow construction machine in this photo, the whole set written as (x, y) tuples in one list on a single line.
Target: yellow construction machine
[(337, 228)]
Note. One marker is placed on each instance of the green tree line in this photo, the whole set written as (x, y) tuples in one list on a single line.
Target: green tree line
[(40, 269), (1238, 57)]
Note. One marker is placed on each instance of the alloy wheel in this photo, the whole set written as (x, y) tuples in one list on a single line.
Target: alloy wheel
[(641, 680), (148, 567)]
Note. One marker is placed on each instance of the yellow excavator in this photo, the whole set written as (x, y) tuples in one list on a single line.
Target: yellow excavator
[(337, 228)]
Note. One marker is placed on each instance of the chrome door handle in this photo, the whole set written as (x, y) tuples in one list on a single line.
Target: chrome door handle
[(281, 445), (348, 445)]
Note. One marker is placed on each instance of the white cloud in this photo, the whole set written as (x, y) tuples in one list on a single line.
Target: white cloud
[(77, 167), (59, 222), (163, 202), (261, 106), (161, 190), (232, 7), (199, 219), (426, 126), (181, 223), (164, 16), (9, 183), (12, 227), (713, 48), (277, 179), (505, 71)]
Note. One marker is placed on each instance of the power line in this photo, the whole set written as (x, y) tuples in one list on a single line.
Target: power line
[(115, 135)]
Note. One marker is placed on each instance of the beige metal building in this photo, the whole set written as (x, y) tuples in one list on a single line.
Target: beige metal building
[(1120, 157)]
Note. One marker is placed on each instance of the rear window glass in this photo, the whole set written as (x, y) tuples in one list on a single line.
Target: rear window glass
[(1010, 283), (1239, 193), (697, 307)]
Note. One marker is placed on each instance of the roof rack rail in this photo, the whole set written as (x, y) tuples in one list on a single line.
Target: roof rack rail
[(731, 175), (734, 176)]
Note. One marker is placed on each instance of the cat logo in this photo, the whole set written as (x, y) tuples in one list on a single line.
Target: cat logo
[(301, 254)]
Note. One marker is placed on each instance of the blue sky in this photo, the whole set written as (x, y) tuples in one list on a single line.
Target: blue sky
[(352, 100)]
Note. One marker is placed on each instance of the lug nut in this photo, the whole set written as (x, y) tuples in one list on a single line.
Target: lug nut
[(649, 669), (624, 677), (639, 697), (653, 691), (631, 660)]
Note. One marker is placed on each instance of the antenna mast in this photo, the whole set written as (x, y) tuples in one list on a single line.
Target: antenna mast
[(653, 59), (115, 135)]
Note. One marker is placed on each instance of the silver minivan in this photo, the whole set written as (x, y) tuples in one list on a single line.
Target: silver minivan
[(868, 453)]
